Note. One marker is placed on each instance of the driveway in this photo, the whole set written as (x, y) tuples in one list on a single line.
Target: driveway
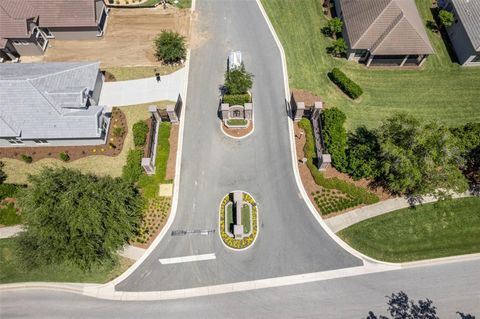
[(144, 90), (290, 240)]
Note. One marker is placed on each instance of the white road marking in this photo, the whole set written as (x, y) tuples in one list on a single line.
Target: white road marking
[(196, 183), (186, 259)]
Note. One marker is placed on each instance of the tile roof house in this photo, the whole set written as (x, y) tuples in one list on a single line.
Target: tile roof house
[(465, 32), (26, 25), (52, 103), (384, 32)]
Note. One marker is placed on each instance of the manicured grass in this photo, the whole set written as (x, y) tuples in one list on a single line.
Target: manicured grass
[(17, 171), (140, 72), (246, 218), (184, 4), (150, 184), (429, 231), (237, 122), (12, 271), (9, 216), (441, 90)]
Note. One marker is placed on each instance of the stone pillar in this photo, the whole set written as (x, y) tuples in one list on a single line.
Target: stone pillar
[(172, 115), (148, 166), (153, 110), (224, 109), (238, 227), (248, 107), (299, 110), (370, 59), (404, 60), (317, 110), (324, 162)]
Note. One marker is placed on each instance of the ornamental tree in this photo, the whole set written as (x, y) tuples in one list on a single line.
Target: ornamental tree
[(334, 26), (238, 81), (170, 47), (446, 18), (339, 47), (77, 218)]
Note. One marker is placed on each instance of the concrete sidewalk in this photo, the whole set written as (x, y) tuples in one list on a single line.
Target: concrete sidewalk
[(7, 232), (146, 90), (343, 221)]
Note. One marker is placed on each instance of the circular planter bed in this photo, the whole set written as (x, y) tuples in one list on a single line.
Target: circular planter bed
[(230, 234)]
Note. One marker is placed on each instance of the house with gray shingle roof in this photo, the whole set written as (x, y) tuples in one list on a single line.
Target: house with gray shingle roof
[(384, 32), (52, 103), (465, 31), (27, 25)]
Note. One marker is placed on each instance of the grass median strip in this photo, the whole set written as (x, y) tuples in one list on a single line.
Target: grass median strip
[(428, 231)]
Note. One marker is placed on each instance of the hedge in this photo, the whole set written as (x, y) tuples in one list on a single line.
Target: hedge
[(350, 88), (236, 99), (140, 130), (132, 170), (331, 183)]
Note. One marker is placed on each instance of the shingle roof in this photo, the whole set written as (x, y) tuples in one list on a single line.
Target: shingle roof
[(44, 100), (468, 12), (385, 27), (51, 13)]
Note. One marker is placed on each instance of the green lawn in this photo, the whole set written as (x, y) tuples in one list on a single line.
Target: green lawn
[(440, 90), (150, 184), (140, 72), (237, 122), (9, 216), (246, 218), (429, 231), (12, 271)]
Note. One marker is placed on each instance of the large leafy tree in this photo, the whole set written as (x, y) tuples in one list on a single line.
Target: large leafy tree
[(362, 154), (170, 47), (3, 175), (238, 80), (335, 136), (76, 218), (400, 306), (416, 160)]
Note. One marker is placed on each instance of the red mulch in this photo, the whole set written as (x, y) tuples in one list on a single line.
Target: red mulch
[(113, 146), (306, 97), (172, 156), (238, 132)]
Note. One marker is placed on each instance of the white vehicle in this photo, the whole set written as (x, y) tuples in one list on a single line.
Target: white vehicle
[(234, 60)]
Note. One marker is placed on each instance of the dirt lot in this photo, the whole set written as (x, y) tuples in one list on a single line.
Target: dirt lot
[(128, 40)]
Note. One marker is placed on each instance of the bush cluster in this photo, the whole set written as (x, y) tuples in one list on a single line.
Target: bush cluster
[(27, 158), (236, 99), (8, 190), (349, 87), (132, 170), (140, 130), (331, 201), (331, 183), (170, 47), (64, 157), (335, 136)]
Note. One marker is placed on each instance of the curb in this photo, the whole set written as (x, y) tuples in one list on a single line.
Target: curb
[(241, 137)]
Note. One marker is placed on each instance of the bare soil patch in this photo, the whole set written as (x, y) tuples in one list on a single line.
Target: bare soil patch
[(112, 147), (128, 40)]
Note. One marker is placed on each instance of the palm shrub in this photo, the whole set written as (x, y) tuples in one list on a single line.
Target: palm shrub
[(334, 26), (76, 218), (238, 81), (446, 18), (170, 47), (339, 47)]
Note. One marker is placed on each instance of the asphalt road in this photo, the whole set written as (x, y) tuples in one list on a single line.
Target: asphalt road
[(452, 287), (290, 241)]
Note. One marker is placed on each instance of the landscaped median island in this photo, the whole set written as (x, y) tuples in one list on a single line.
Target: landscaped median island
[(441, 229), (238, 220)]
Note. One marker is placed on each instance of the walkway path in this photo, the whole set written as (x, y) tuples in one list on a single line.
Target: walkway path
[(146, 90), (343, 221), (7, 232)]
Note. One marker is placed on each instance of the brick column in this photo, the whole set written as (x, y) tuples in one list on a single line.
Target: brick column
[(172, 115), (225, 110), (248, 107)]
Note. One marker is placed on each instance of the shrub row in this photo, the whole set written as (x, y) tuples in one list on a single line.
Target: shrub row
[(140, 130), (331, 183), (236, 99), (133, 168), (350, 88)]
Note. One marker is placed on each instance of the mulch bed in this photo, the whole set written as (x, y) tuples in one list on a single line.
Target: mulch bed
[(172, 156), (112, 147), (238, 132), (306, 97)]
